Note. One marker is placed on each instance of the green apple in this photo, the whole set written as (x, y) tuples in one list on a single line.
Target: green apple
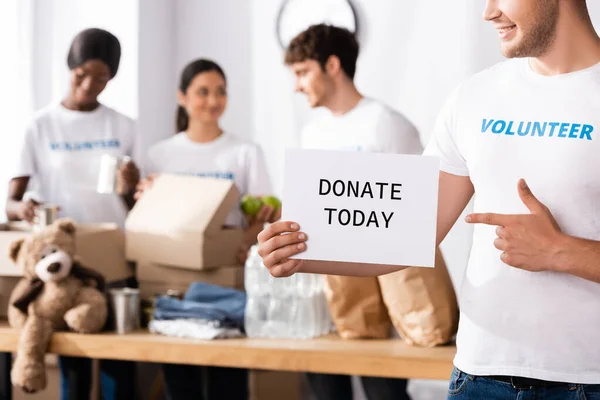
[(250, 205), (271, 201)]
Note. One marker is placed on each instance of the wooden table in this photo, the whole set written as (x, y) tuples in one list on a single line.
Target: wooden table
[(330, 354)]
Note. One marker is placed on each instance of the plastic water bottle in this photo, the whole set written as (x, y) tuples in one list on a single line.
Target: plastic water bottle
[(257, 282), (255, 314), (293, 307)]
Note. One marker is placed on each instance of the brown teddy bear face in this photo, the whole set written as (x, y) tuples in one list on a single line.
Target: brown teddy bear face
[(47, 254)]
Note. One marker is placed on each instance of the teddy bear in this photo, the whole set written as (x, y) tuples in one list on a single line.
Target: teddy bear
[(55, 293)]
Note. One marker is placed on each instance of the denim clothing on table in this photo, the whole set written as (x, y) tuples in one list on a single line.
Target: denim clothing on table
[(204, 301)]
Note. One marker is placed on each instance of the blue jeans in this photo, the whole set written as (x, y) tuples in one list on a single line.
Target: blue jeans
[(469, 387), (117, 379)]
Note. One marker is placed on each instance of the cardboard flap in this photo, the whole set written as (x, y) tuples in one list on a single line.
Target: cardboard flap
[(98, 227), (179, 203)]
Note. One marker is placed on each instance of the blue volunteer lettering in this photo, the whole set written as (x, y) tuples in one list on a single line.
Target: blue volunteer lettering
[(214, 174), (567, 130), (86, 146)]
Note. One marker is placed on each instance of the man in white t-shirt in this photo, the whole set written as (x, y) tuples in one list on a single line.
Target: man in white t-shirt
[(323, 59), (530, 299)]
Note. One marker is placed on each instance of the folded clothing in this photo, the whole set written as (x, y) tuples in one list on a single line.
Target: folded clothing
[(204, 301), (193, 329)]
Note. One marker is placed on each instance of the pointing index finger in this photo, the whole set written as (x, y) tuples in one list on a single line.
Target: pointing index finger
[(488, 219)]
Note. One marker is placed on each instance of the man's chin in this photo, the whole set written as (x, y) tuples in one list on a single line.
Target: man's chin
[(314, 103), (507, 51), (86, 102), (514, 50)]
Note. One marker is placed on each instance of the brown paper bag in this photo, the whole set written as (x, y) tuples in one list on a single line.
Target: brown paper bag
[(356, 307), (422, 303)]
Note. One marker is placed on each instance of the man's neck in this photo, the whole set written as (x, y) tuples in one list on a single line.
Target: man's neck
[(576, 47), (345, 97)]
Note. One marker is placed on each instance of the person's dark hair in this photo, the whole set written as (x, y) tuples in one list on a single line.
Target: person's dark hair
[(95, 44), (189, 73), (319, 42)]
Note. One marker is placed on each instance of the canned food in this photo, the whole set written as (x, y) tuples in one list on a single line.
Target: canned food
[(45, 214), (109, 179)]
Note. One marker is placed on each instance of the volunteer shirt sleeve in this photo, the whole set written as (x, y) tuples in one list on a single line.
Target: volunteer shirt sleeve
[(258, 181), (149, 164), (26, 161), (443, 141), (134, 150), (134, 146), (396, 134)]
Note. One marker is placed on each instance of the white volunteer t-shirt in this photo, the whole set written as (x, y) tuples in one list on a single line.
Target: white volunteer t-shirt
[(61, 150), (226, 157), (503, 124), (370, 126)]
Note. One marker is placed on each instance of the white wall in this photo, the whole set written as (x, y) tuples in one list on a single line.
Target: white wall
[(174, 32), (220, 30), (57, 23), (157, 76)]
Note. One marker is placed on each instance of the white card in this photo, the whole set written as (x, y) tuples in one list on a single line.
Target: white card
[(358, 207)]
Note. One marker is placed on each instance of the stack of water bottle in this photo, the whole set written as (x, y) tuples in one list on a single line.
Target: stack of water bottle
[(293, 307)]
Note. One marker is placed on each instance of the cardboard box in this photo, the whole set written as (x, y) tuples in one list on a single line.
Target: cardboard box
[(156, 279), (7, 284), (276, 385), (8, 234), (179, 222), (232, 276), (99, 246), (148, 290)]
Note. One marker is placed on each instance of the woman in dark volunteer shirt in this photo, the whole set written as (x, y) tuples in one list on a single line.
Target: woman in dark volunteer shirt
[(61, 150)]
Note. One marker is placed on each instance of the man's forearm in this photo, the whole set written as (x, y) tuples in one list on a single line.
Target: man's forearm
[(579, 257), (11, 209), (128, 199)]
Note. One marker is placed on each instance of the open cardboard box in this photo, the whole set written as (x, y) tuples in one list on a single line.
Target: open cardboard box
[(179, 222), (99, 246), (164, 277)]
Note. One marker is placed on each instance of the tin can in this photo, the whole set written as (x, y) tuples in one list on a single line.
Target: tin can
[(126, 309), (109, 179), (45, 214)]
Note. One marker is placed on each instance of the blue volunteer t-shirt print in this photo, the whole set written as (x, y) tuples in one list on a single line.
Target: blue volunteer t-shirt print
[(568, 130), (86, 145), (213, 174)]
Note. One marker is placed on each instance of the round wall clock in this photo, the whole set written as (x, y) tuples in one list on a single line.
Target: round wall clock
[(297, 15)]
